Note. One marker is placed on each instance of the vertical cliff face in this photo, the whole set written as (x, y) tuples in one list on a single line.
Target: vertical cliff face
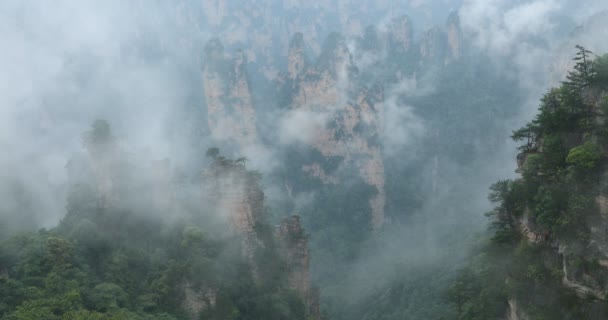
[(296, 59), (442, 45), (332, 86), (355, 114), (106, 161), (231, 115), (514, 312), (454, 38), (197, 300), (400, 35), (235, 194), (263, 30), (433, 46), (294, 248)]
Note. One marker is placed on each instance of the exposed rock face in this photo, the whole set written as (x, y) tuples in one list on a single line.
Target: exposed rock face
[(294, 245), (433, 46), (400, 35), (236, 194), (330, 86), (296, 60), (602, 203), (197, 300), (231, 115), (528, 229), (356, 114), (264, 29), (106, 161), (585, 286), (294, 248), (454, 38), (514, 312), (442, 45)]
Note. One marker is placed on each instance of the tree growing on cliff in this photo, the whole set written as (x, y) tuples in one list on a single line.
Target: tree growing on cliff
[(584, 71)]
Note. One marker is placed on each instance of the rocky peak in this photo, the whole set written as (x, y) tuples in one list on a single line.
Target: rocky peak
[(237, 195), (371, 40), (293, 242), (294, 245), (454, 38), (514, 312), (197, 300), (432, 45), (400, 35), (296, 60), (335, 57), (356, 116), (230, 112)]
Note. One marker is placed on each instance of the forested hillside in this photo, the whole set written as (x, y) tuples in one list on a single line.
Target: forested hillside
[(163, 255), (292, 159), (547, 257)]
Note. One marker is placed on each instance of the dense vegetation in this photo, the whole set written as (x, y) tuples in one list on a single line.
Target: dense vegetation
[(128, 260), (543, 221)]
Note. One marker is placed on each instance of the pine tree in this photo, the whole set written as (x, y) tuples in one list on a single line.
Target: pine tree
[(583, 72)]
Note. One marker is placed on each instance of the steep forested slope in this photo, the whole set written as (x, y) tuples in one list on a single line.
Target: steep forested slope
[(547, 255), (171, 247)]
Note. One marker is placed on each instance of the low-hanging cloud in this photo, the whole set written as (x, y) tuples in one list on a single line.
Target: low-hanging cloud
[(67, 63), (303, 126)]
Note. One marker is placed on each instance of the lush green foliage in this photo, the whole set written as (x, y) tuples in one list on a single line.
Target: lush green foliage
[(129, 262), (561, 161)]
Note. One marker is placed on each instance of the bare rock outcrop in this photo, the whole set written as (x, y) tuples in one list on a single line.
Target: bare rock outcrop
[(237, 196), (293, 242), (294, 247), (355, 114), (197, 300), (514, 312), (230, 112), (400, 35), (454, 38)]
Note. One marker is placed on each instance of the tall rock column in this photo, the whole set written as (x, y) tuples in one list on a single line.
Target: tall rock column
[(230, 111), (237, 196), (294, 248), (355, 114)]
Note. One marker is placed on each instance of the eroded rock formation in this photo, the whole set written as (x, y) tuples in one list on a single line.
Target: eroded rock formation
[(235, 194), (355, 113), (197, 300), (230, 112), (514, 312), (293, 242)]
